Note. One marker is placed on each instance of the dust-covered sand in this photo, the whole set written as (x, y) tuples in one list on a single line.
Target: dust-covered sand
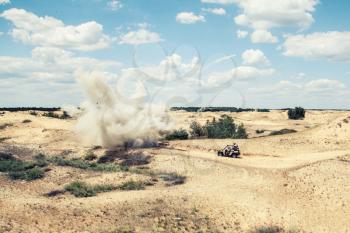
[(297, 181)]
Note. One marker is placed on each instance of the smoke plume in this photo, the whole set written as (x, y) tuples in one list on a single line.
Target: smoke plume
[(110, 119)]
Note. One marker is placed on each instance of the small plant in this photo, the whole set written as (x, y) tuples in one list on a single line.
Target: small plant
[(26, 121), (180, 134), (33, 113), (132, 185), (296, 113)]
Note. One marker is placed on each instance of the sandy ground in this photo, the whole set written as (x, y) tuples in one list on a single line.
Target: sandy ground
[(298, 181)]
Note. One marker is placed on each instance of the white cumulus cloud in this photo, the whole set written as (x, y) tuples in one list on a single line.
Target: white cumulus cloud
[(262, 36), (189, 18), (3, 2), (254, 57), (215, 11), (334, 46), (263, 15), (140, 36), (48, 31)]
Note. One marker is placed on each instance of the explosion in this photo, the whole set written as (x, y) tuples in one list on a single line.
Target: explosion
[(110, 119)]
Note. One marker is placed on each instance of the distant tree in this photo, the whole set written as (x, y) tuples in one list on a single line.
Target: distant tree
[(296, 113)]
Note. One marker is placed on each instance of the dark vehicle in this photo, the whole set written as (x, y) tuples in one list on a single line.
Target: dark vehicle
[(230, 151)]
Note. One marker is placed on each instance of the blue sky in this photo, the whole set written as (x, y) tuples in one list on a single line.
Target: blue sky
[(244, 53)]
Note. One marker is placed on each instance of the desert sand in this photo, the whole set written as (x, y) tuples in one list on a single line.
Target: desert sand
[(299, 181)]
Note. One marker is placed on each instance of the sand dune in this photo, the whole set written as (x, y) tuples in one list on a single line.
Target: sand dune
[(296, 181)]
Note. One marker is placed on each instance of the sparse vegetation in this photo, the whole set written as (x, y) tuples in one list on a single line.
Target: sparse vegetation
[(26, 121), (132, 185), (33, 113), (28, 175), (179, 134), (55, 115), (82, 189), (20, 170), (296, 113), (85, 165)]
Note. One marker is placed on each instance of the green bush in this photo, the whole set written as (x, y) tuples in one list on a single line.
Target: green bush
[(180, 134), (296, 113), (241, 132), (80, 189), (196, 130), (224, 128)]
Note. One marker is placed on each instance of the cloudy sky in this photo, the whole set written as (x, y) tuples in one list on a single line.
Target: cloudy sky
[(243, 53)]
